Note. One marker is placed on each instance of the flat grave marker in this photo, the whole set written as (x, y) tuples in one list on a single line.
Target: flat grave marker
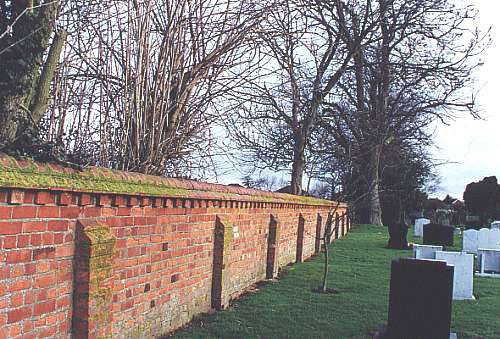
[(425, 251)]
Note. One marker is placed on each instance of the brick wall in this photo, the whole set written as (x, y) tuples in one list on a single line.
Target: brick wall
[(96, 263)]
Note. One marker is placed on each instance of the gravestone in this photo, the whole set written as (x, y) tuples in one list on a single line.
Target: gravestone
[(470, 241), (495, 225), (419, 224), (489, 260), (483, 238), (397, 236), (425, 251), (494, 239), (443, 216), (463, 273), (435, 234), (420, 299)]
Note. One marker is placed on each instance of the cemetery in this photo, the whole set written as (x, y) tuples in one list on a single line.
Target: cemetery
[(108, 253), (361, 270), (249, 169)]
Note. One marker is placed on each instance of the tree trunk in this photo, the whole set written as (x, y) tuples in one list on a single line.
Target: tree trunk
[(299, 165), (325, 271), (20, 81), (374, 196)]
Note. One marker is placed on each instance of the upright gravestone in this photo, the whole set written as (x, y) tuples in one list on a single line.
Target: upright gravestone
[(419, 224), (483, 238), (435, 234), (443, 217), (494, 238), (495, 225), (420, 299), (425, 251), (397, 236), (463, 273), (470, 241)]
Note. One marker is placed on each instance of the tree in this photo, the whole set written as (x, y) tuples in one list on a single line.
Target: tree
[(404, 175), (140, 86), (483, 199), (331, 227), (267, 183), (413, 73), (303, 59), (30, 48)]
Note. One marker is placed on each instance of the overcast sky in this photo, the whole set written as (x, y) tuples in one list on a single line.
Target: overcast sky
[(473, 147)]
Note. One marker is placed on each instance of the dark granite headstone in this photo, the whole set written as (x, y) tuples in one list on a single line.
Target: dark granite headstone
[(420, 299), (397, 236), (435, 234)]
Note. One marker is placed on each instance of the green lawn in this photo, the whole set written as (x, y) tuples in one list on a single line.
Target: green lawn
[(360, 269)]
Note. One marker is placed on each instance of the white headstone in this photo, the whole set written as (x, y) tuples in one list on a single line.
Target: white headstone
[(469, 241), (425, 251), (494, 238), (419, 226), (489, 260), (483, 238), (463, 275), (495, 225)]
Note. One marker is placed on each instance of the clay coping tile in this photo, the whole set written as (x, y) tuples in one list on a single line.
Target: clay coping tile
[(198, 189)]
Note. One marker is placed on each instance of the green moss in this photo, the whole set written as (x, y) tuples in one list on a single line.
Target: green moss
[(102, 244), (228, 235), (23, 178), (101, 180)]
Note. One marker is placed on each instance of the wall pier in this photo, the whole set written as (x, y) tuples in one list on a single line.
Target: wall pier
[(107, 253)]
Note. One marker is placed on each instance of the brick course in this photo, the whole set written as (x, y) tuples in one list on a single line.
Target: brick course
[(122, 264)]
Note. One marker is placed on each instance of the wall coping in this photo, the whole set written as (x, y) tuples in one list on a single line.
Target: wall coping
[(29, 174)]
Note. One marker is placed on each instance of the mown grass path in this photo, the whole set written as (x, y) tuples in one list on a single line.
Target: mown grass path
[(360, 269)]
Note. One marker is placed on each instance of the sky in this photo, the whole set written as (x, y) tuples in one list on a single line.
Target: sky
[(469, 149), (472, 147)]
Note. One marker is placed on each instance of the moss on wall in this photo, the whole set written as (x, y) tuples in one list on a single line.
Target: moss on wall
[(28, 174), (102, 246)]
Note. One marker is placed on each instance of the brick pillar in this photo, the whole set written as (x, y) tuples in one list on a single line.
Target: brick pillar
[(223, 243), (92, 285), (344, 224), (338, 230), (272, 248), (299, 251), (317, 242)]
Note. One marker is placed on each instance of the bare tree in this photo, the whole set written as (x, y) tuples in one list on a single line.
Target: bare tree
[(304, 58), (139, 86), (414, 73), (263, 182)]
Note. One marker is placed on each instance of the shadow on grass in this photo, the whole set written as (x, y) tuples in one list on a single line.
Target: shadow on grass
[(360, 270)]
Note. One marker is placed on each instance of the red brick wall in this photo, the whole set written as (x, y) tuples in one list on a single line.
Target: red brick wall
[(109, 264)]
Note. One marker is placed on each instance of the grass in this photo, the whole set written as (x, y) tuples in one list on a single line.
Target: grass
[(360, 270)]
